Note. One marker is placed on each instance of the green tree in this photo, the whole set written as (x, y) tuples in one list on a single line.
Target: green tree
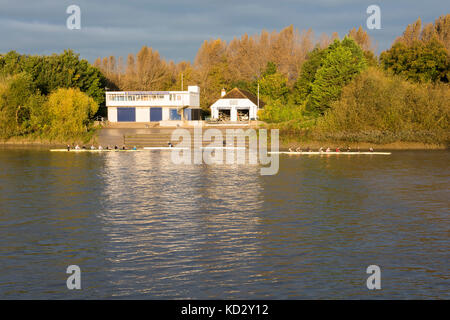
[(303, 86), (49, 73), (342, 63), (274, 87), (15, 94), (418, 61), (340, 66)]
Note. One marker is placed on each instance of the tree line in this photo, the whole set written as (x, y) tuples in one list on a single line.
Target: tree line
[(52, 97), (305, 81)]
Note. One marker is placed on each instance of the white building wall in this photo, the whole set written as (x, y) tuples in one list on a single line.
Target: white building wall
[(112, 114), (166, 114), (142, 114), (234, 105), (233, 114)]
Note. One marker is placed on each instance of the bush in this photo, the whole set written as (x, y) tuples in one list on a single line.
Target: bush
[(377, 108), (67, 114)]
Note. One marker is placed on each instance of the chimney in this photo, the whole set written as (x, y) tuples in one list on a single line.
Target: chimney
[(223, 93)]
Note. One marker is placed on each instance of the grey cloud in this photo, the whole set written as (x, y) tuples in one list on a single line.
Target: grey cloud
[(176, 28)]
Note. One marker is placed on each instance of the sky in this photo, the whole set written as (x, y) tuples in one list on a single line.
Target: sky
[(177, 28)]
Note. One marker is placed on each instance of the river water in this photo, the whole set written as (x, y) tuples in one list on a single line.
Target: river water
[(139, 226)]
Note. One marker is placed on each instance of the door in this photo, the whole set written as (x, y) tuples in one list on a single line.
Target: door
[(126, 114), (187, 114), (155, 114)]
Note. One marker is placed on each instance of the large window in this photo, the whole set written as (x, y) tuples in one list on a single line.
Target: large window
[(174, 115)]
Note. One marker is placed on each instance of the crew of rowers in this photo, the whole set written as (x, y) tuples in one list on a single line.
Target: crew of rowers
[(115, 147), (321, 149)]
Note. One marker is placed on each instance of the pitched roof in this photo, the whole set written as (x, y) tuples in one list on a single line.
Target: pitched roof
[(243, 94)]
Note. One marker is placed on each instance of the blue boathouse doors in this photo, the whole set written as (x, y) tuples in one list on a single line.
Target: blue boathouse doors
[(155, 114), (126, 114)]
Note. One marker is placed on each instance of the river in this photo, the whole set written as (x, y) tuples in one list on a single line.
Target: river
[(141, 227)]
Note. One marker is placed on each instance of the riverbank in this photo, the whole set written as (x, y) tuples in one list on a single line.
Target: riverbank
[(111, 137), (36, 142), (400, 145)]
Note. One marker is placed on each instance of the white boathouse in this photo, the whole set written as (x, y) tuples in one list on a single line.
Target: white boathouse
[(153, 106), (235, 106)]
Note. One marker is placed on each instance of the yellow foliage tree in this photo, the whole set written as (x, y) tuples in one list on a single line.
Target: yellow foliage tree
[(68, 113)]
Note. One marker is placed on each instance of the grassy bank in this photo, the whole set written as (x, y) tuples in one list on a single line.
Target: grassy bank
[(32, 140)]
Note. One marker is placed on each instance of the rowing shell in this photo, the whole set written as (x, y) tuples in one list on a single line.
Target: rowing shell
[(326, 153), (165, 148), (94, 150), (225, 148)]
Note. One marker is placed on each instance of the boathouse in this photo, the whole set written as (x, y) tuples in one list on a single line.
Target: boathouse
[(154, 106), (236, 105)]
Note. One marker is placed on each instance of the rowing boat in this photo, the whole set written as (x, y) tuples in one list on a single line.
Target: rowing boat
[(93, 150), (165, 148), (327, 153), (225, 148)]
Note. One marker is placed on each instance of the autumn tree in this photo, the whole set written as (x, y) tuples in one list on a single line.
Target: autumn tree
[(68, 112), (421, 54), (211, 71)]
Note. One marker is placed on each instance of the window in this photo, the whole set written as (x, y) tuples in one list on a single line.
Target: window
[(174, 115)]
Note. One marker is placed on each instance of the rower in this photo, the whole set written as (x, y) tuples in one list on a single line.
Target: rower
[(68, 147), (170, 144), (348, 149), (371, 149), (290, 149), (116, 147), (100, 148), (298, 149), (337, 149), (124, 148), (321, 149), (77, 147), (134, 148), (328, 149), (92, 147)]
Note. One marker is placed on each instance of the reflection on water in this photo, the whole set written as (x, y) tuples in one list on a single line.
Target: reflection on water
[(140, 226)]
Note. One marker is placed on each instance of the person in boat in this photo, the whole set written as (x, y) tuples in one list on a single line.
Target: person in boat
[(134, 148), (308, 149), (124, 148), (321, 149), (83, 147), (298, 149), (338, 150), (92, 147), (100, 147), (371, 149), (170, 144), (328, 149), (116, 147), (358, 149), (348, 149), (68, 147), (290, 149), (224, 143), (77, 147)]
